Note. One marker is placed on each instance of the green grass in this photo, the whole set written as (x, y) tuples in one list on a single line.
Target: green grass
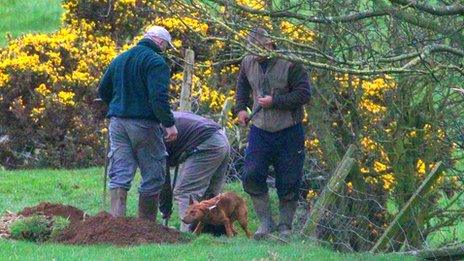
[(82, 188), (23, 16)]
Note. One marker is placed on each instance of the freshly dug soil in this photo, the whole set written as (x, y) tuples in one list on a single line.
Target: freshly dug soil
[(5, 223), (105, 229), (49, 209)]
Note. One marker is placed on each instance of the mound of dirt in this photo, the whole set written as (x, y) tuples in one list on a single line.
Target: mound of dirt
[(105, 229), (5, 223), (49, 209)]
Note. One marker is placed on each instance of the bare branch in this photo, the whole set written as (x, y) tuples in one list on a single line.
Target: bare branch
[(313, 19), (457, 9)]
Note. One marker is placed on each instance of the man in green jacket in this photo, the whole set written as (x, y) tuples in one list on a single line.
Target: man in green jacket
[(135, 87)]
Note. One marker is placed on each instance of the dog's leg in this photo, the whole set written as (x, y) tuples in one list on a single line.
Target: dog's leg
[(233, 229), (242, 217), (199, 228), (244, 224), (229, 228)]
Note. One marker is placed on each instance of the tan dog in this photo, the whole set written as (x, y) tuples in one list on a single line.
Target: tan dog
[(223, 209)]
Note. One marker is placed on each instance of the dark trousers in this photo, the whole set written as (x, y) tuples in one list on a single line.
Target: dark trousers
[(284, 150)]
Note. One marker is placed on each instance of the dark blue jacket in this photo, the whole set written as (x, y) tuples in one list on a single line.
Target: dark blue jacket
[(135, 85)]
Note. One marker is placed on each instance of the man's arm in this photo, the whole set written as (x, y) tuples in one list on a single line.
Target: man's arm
[(300, 90), (105, 88), (243, 92), (158, 83)]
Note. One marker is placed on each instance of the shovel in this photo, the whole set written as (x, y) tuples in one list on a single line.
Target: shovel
[(167, 196), (101, 106)]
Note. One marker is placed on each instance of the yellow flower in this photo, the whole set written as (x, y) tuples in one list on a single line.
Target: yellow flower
[(388, 182), (368, 144), (177, 43), (441, 134), (3, 79), (42, 90), (372, 107), (379, 167), (298, 33), (183, 24), (66, 98), (311, 194), (311, 144), (420, 167), (37, 112), (349, 185)]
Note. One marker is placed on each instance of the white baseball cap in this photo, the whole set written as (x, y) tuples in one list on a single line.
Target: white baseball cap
[(161, 33)]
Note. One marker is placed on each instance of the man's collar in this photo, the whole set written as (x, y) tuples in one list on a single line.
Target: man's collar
[(267, 59), (150, 44)]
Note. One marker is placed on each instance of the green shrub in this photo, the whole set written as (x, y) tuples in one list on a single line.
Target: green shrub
[(38, 228), (34, 228), (59, 224)]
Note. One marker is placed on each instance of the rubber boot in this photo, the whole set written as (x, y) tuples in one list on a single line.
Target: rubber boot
[(262, 208), (287, 210), (118, 202), (148, 206)]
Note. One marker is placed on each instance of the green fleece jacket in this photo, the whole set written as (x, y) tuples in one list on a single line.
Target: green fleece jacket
[(135, 85)]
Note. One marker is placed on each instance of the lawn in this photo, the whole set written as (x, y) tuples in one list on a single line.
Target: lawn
[(82, 188), (23, 16)]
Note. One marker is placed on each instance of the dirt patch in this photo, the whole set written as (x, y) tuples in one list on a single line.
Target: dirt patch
[(49, 209), (5, 223), (99, 229), (104, 229)]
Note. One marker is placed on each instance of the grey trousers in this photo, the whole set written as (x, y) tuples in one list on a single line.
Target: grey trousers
[(136, 143), (202, 173)]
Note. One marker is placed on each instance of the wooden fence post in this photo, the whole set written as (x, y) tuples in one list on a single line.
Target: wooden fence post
[(395, 224), (328, 195), (185, 104)]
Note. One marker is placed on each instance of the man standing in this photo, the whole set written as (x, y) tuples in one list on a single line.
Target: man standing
[(135, 87), (203, 150), (279, 88)]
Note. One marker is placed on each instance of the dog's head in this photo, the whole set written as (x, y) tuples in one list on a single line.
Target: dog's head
[(195, 212)]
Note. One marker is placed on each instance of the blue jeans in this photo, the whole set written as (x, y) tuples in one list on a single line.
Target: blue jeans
[(284, 150), (136, 143)]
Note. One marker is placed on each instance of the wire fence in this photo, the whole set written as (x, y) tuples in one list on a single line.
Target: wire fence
[(351, 219), (336, 213)]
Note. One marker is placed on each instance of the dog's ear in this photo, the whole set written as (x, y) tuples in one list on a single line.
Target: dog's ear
[(192, 200)]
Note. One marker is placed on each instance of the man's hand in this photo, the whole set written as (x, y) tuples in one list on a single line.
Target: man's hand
[(171, 133), (242, 118), (265, 101)]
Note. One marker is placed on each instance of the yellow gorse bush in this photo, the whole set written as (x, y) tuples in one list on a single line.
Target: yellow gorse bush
[(47, 84), (379, 163)]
